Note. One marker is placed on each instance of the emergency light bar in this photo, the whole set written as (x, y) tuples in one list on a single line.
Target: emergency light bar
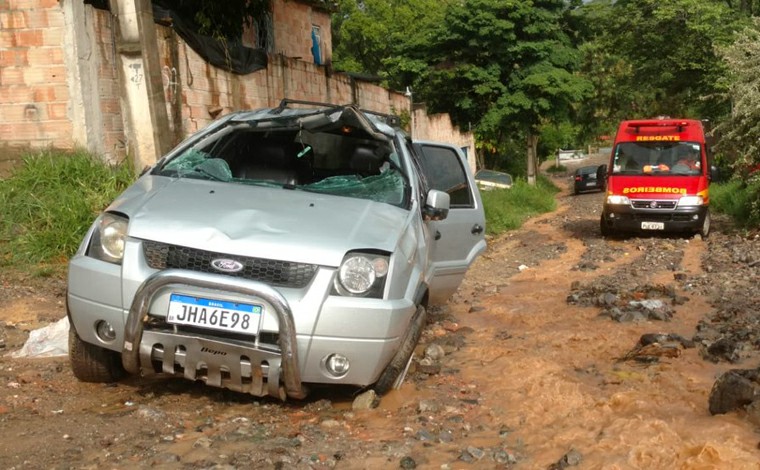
[(638, 125)]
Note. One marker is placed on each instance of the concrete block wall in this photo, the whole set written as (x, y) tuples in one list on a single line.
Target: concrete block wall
[(109, 89)]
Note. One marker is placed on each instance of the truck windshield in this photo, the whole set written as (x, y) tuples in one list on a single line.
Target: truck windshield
[(657, 158)]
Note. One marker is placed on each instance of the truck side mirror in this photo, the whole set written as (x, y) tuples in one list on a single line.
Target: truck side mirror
[(714, 174), (436, 205)]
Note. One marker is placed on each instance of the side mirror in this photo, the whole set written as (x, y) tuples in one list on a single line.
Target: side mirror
[(714, 174), (436, 205)]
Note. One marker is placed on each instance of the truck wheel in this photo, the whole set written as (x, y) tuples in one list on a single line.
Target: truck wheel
[(605, 229), (395, 372), (705, 230), (91, 363)]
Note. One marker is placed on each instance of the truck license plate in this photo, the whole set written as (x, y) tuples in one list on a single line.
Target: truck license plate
[(214, 314), (653, 226)]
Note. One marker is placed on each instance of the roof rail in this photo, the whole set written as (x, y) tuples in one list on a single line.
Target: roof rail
[(287, 101), (390, 119)]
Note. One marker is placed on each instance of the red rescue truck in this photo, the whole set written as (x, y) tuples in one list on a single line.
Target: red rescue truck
[(658, 178)]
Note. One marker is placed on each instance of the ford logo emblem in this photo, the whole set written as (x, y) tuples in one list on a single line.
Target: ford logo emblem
[(227, 265), (653, 204)]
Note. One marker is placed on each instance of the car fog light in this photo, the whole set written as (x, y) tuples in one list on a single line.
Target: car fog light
[(337, 365), (105, 331)]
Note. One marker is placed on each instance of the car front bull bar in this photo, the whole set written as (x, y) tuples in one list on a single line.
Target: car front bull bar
[(174, 277)]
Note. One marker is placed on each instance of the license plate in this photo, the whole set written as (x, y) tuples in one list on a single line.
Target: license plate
[(591, 183), (214, 314), (653, 226)]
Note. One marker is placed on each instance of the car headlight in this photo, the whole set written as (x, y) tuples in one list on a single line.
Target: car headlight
[(691, 201), (616, 199), (362, 275), (108, 238)]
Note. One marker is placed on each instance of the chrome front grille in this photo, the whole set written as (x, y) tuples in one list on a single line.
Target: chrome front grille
[(272, 272), (663, 204)]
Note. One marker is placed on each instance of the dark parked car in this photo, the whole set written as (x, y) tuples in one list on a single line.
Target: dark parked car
[(590, 178)]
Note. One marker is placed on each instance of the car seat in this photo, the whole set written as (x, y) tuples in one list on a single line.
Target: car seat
[(269, 163), (366, 160)]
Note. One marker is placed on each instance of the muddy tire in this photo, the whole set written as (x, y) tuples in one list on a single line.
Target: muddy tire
[(395, 372), (604, 229), (91, 363), (705, 230)]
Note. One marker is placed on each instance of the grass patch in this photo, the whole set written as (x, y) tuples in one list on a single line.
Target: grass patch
[(739, 199), (508, 209), (47, 205), (49, 202), (555, 168)]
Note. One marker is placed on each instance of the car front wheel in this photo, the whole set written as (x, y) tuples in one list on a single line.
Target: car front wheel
[(396, 370), (91, 363)]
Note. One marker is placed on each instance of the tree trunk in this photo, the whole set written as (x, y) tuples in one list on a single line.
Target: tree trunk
[(532, 159)]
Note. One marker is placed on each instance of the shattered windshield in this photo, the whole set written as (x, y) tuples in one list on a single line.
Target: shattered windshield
[(657, 158), (334, 163)]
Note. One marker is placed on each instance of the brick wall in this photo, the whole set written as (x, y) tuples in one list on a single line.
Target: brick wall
[(34, 99), (294, 22), (34, 93)]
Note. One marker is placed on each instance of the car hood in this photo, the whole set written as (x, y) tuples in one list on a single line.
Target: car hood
[(264, 222)]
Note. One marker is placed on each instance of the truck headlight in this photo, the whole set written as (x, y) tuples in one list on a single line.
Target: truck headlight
[(691, 201), (108, 238), (362, 275), (615, 199)]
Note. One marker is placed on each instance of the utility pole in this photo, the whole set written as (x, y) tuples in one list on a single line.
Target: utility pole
[(146, 123), (532, 159), (410, 95)]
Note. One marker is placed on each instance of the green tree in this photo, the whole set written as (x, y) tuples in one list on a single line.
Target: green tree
[(374, 37), (506, 67), (740, 133), (747, 7), (649, 57)]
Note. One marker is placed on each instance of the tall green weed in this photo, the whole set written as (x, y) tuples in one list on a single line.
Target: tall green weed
[(739, 199), (508, 209), (48, 203)]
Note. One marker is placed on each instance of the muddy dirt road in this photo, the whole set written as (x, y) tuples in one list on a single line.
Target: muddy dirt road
[(535, 366)]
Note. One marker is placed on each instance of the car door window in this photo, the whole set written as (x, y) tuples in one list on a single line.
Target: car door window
[(445, 172)]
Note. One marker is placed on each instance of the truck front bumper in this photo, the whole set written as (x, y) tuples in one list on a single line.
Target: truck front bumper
[(624, 218)]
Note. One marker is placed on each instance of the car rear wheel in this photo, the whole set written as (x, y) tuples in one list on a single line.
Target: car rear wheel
[(91, 363), (396, 370)]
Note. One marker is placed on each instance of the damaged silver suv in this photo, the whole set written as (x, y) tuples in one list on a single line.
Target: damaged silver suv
[(275, 251)]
